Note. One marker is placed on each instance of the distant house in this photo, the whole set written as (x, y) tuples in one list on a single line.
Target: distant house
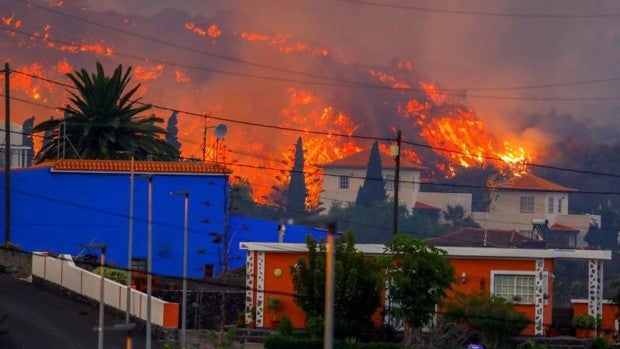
[(519, 202), (522, 276), (59, 205), (21, 155), (343, 178)]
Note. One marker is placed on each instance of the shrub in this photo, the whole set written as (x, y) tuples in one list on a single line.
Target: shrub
[(285, 327), (493, 318), (601, 343), (585, 321), (113, 274)]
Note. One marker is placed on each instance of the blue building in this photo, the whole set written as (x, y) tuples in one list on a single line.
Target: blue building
[(58, 206)]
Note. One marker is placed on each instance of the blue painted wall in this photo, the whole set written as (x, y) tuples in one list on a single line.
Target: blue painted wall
[(57, 212)]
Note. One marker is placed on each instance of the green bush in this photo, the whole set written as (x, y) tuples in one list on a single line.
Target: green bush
[(601, 343), (315, 327), (530, 344), (113, 274), (289, 342), (285, 327), (493, 318), (585, 321)]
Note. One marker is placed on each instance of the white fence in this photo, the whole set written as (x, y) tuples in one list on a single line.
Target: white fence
[(64, 272)]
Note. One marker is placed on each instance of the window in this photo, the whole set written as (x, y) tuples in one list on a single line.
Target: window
[(526, 204), (138, 264), (514, 287), (550, 205), (344, 182), (389, 182), (560, 205)]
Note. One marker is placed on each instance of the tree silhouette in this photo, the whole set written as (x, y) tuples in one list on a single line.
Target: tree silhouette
[(297, 192), (373, 189), (103, 119), (172, 131)]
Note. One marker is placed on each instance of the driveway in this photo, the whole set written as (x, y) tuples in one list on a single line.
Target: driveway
[(41, 318)]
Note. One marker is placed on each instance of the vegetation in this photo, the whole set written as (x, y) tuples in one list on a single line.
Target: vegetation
[(456, 218), (357, 278), (172, 131), (493, 319), (103, 119), (373, 189), (297, 192), (584, 321), (373, 224), (113, 274), (418, 278)]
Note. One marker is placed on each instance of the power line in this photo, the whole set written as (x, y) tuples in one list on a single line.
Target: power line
[(482, 13), (323, 133)]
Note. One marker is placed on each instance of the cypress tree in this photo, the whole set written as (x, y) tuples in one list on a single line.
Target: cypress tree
[(172, 131), (297, 192), (373, 189)]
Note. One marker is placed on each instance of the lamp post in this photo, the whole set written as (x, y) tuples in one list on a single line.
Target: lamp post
[(129, 242), (103, 248), (185, 194), (149, 261)]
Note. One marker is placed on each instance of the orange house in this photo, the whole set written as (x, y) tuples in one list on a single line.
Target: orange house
[(524, 276)]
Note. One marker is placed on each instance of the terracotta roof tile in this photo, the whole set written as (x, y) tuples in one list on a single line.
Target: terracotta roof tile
[(360, 160), (531, 182), (422, 206), (562, 228), (74, 165)]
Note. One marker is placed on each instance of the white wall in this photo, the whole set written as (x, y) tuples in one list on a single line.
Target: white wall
[(64, 272)]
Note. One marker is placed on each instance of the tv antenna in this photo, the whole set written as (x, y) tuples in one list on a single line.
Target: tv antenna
[(220, 132)]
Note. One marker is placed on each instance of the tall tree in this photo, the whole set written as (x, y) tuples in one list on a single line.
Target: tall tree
[(102, 119), (373, 189), (172, 131), (297, 192), (357, 291), (419, 276)]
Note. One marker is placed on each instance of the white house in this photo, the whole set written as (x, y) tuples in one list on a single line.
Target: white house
[(519, 202), (343, 178), (20, 153)]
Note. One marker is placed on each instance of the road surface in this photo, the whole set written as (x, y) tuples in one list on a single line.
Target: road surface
[(43, 319)]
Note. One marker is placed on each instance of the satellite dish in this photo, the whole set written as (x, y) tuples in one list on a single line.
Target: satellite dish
[(220, 131)]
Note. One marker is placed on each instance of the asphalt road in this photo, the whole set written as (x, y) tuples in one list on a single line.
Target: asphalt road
[(43, 319)]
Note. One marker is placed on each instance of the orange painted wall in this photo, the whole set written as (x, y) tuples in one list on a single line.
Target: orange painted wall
[(478, 278), (608, 325)]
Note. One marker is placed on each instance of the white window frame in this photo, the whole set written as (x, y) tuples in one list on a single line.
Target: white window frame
[(524, 204), (343, 182), (550, 203), (515, 273)]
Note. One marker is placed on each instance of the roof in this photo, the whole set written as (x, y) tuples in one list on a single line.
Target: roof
[(529, 181), (452, 251), (360, 160), (124, 166), (477, 237), (563, 228), (422, 206)]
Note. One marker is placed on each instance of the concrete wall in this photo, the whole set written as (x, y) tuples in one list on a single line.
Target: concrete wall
[(62, 271)]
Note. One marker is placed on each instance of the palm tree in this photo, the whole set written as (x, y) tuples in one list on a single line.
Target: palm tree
[(103, 120), (455, 218)]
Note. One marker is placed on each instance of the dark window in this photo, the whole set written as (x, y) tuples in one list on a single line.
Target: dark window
[(209, 270), (344, 182)]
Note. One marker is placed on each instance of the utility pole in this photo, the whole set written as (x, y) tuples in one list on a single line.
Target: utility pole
[(395, 150), (7, 157)]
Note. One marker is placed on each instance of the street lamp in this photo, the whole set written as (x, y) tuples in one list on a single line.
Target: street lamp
[(101, 247), (129, 243), (185, 194), (149, 261)]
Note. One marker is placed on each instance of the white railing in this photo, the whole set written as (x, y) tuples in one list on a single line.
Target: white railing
[(64, 272)]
